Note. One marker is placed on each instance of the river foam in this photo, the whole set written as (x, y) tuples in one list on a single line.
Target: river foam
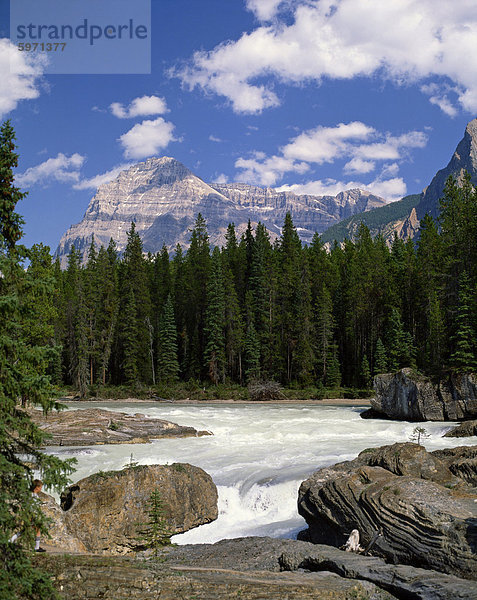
[(257, 457)]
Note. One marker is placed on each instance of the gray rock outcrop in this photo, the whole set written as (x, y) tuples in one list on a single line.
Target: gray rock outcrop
[(426, 513), (107, 511), (163, 198), (465, 429), (253, 569), (407, 395), (97, 426)]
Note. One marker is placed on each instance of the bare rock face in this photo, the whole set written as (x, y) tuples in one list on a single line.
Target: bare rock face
[(461, 462), (107, 511), (427, 515), (97, 426), (163, 198), (59, 534), (409, 396)]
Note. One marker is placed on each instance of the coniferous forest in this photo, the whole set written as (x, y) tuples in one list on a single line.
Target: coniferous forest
[(257, 310)]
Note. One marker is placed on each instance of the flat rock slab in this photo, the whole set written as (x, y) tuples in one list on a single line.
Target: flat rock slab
[(118, 578), (94, 426), (270, 554)]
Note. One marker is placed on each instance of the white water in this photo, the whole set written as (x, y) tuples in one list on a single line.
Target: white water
[(257, 457)]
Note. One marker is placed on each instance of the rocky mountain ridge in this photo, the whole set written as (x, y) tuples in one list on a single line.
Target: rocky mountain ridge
[(163, 198), (404, 216)]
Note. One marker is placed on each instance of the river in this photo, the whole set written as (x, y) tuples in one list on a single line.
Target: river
[(258, 456)]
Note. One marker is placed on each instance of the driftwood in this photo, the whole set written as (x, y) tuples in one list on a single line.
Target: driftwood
[(265, 390)]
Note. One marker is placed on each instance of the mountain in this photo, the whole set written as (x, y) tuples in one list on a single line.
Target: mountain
[(402, 217), (163, 198)]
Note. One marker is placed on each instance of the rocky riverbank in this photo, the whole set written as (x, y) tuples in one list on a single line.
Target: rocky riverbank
[(97, 426), (252, 569)]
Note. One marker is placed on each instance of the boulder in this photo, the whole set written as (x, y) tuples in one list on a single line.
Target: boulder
[(407, 395), (461, 462), (58, 532), (97, 426), (107, 511), (465, 429), (426, 514)]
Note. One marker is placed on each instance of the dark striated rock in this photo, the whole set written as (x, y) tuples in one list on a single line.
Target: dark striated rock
[(97, 426), (107, 511), (428, 516), (410, 396), (466, 429), (462, 462)]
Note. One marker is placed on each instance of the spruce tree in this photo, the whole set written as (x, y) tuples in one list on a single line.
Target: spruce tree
[(168, 366), (21, 382), (365, 372), (463, 358), (380, 358), (214, 355)]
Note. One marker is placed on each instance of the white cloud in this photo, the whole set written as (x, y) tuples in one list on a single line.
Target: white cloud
[(97, 180), (222, 178), (20, 73), (264, 10), (140, 107), (358, 165), (267, 171), (439, 95), (406, 41), (147, 138), (325, 144), (360, 144), (389, 189), (62, 168), (213, 138)]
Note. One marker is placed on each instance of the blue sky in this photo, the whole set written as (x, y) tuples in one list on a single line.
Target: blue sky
[(310, 95)]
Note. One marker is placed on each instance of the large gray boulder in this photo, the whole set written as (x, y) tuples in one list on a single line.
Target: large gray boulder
[(407, 395), (107, 511), (426, 513)]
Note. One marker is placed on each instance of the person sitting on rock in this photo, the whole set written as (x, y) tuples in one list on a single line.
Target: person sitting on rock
[(35, 489)]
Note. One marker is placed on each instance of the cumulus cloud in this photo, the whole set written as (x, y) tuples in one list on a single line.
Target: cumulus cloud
[(358, 165), (267, 170), (214, 138), (62, 168), (140, 107), (389, 189), (406, 41), (361, 145), (147, 138), (97, 180), (439, 95), (264, 10), (20, 75), (221, 178)]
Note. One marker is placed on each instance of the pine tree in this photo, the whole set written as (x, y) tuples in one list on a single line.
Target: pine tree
[(251, 353), (380, 358), (463, 358), (401, 350), (365, 372), (21, 377), (214, 356), (168, 367)]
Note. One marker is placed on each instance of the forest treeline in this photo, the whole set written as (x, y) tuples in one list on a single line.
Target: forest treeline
[(260, 310)]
